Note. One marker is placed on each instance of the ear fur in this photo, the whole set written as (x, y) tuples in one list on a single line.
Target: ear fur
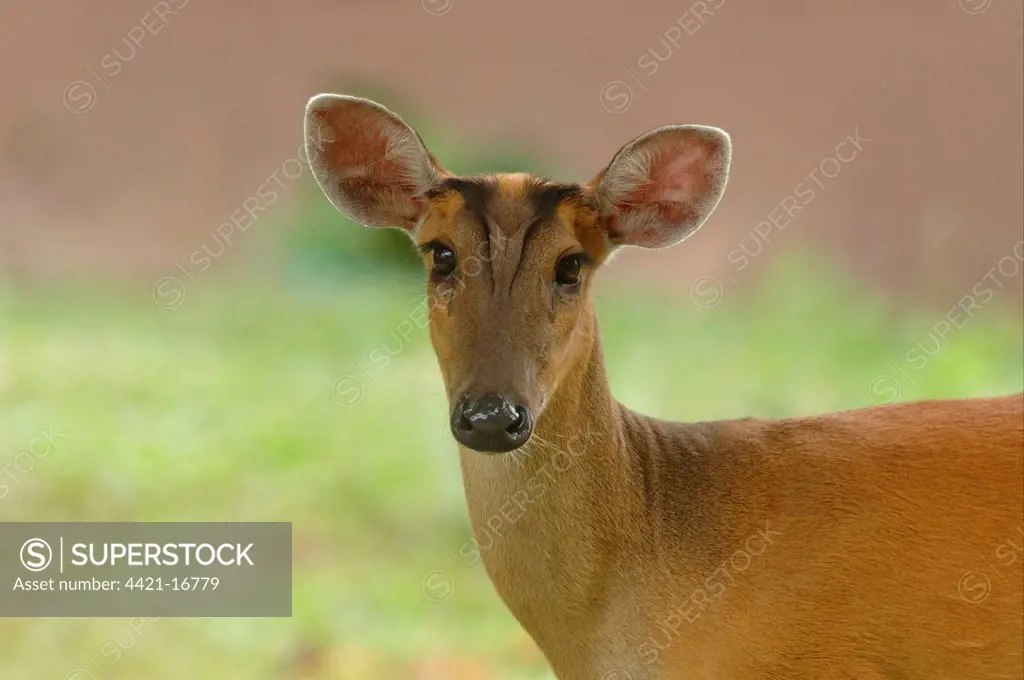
[(662, 186), (368, 161)]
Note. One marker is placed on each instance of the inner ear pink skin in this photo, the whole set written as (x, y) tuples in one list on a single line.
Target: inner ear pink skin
[(671, 183), (370, 164), (682, 177), (676, 175), (363, 152)]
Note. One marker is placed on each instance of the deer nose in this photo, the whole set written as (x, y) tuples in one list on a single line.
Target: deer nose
[(491, 423)]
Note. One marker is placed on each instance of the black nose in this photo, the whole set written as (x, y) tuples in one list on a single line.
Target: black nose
[(491, 423)]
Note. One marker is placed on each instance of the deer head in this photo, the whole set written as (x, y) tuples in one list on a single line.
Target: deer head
[(511, 258)]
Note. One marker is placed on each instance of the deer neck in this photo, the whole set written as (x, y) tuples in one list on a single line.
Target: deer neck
[(551, 519)]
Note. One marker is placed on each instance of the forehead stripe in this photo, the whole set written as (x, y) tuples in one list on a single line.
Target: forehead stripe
[(546, 196), (476, 193)]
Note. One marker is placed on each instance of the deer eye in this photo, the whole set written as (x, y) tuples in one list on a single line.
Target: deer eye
[(442, 258), (567, 271)]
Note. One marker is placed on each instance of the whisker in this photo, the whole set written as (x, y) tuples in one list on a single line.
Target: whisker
[(548, 444)]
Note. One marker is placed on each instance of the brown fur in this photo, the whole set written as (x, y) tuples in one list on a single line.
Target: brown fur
[(612, 525), (878, 543)]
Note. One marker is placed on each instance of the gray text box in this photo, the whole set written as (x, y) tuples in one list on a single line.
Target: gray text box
[(153, 569)]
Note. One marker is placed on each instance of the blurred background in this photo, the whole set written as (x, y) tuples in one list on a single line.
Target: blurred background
[(199, 334)]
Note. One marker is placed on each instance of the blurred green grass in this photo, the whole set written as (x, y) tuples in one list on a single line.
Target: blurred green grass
[(226, 409)]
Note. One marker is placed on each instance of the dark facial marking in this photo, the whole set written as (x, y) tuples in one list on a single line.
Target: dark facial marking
[(476, 193), (476, 197), (540, 195), (544, 197)]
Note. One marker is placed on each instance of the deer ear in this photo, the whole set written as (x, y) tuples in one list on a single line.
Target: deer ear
[(662, 186), (370, 164)]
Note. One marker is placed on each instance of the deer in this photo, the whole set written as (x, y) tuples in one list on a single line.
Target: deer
[(880, 542)]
